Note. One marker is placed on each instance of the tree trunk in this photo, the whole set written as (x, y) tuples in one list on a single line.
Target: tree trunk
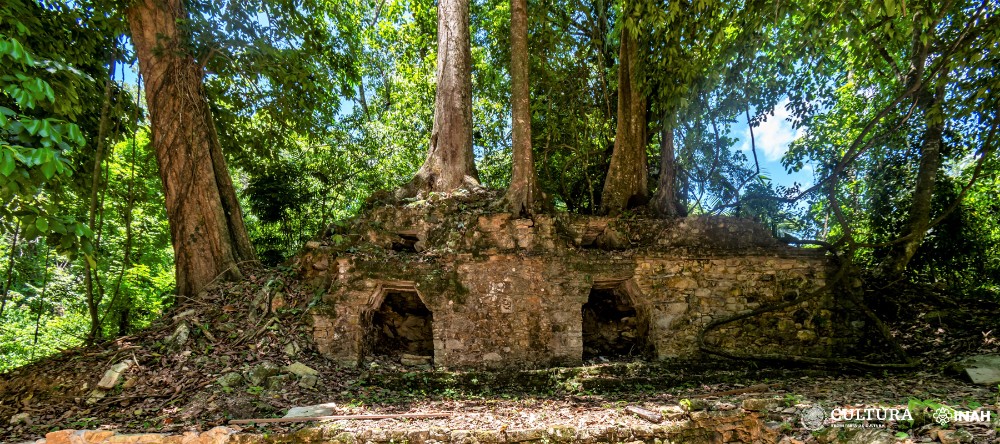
[(923, 192), (450, 161), (667, 202), (90, 274), (38, 305), (10, 269), (523, 196), (626, 185), (206, 225), (361, 98), (124, 308)]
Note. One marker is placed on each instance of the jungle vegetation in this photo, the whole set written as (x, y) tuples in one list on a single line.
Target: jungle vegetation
[(149, 147)]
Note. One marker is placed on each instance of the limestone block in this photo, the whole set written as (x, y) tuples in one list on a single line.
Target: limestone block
[(217, 435), (112, 376), (123, 439), (412, 360), (96, 436), (299, 369), (58, 437), (311, 410)]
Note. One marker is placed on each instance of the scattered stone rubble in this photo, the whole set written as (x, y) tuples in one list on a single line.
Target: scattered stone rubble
[(754, 420), (698, 427)]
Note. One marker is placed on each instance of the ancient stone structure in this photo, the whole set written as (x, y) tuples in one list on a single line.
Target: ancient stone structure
[(452, 282)]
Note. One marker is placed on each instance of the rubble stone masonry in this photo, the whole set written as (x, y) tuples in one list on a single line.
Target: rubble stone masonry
[(506, 292)]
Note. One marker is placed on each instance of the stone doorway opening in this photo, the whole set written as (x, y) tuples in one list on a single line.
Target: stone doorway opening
[(612, 326), (400, 328)]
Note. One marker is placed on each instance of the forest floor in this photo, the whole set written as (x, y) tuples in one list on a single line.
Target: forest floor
[(220, 358)]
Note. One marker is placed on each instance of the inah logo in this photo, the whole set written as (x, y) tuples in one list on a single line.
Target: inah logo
[(943, 415)]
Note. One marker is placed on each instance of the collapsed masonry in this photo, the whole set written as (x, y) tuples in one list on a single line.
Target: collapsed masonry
[(451, 283)]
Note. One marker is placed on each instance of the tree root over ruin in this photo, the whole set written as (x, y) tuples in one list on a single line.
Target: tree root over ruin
[(840, 276)]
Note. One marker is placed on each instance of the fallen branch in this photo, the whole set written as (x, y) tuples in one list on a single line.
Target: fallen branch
[(254, 334), (337, 417), (204, 330)]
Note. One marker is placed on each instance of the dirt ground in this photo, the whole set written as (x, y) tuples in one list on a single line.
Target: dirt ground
[(226, 358)]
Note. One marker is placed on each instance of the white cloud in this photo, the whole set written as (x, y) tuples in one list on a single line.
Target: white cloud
[(773, 136)]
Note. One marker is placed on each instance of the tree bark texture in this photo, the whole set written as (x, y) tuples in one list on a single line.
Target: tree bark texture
[(923, 192), (626, 183), (206, 225), (523, 196), (450, 161), (666, 202)]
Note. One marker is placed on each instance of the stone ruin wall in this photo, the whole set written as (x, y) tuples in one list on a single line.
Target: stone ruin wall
[(507, 292)]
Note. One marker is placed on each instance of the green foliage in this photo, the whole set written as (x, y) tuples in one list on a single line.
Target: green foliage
[(866, 109), (319, 105), (46, 311), (35, 144)]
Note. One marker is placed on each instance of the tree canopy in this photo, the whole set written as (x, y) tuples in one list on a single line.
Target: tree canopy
[(310, 108)]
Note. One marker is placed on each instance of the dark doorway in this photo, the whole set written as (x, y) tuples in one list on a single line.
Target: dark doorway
[(402, 324), (405, 243), (610, 325)]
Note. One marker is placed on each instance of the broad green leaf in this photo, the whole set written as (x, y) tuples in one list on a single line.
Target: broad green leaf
[(33, 126), (42, 224), (46, 129), (49, 169), (37, 157), (6, 163), (45, 89), (58, 226), (73, 134)]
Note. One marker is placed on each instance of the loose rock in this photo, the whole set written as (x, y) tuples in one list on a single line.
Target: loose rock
[(259, 374), (311, 410), (299, 369), (982, 369), (291, 349), (308, 381), (20, 418), (408, 359), (230, 380), (112, 376), (180, 335)]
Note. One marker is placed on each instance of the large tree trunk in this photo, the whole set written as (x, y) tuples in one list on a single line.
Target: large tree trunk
[(206, 225), (450, 162), (626, 185), (523, 196), (667, 202), (923, 192)]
